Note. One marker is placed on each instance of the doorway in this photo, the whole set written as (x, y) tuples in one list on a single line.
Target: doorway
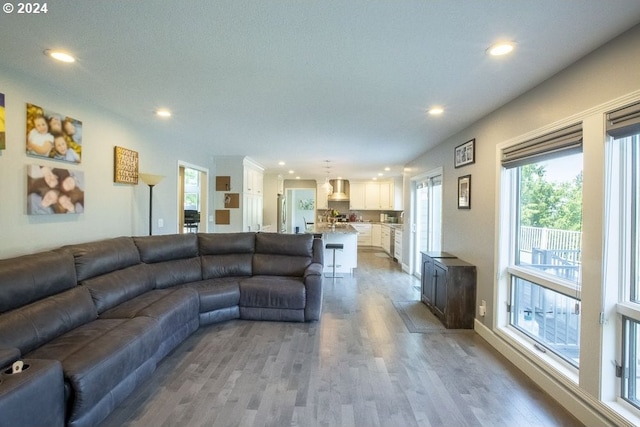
[(192, 198), (427, 194)]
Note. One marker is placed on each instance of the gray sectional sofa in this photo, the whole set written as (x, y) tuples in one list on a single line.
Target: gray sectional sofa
[(91, 321)]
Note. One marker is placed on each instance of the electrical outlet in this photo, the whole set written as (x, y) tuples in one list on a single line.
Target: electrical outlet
[(160, 223), (483, 308)]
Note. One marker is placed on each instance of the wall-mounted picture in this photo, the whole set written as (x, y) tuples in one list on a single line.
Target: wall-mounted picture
[(464, 192), (53, 135), (465, 154), (3, 134), (306, 204), (125, 166), (54, 190)]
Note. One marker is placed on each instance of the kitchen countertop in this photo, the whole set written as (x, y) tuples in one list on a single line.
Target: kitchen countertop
[(340, 228), (390, 224)]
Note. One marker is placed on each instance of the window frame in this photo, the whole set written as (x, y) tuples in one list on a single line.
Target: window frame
[(508, 235)]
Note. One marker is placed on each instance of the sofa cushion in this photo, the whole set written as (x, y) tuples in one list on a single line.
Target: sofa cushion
[(229, 265), (280, 265), (272, 292), (29, 278), (217, 293), (226, 243), (34, 325), (285, 244), (171, 273), (171, 307), (99, 355), (167, 247), (103, 256), (111, 289)]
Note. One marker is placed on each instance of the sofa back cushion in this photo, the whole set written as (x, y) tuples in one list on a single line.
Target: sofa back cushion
[(30, 278), (226, 254), (96, 258), (116, 287), (173, 259), (171, 273), (226, 243), (33, 325), (166, 247), (282, 254)]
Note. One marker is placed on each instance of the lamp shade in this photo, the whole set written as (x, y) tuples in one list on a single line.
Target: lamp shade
[(150, 179)]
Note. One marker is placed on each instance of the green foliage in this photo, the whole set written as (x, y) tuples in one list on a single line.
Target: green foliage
[(549, 204)]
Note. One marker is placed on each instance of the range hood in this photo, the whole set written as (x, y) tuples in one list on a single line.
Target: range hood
[(340, 190)]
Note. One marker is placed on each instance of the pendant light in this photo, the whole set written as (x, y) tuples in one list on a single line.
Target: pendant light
[(327, 185)]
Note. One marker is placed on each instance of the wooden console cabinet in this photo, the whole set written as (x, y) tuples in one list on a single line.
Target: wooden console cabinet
[(449, 289)]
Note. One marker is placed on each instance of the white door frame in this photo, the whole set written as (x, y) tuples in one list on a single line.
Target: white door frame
[(204, 191)]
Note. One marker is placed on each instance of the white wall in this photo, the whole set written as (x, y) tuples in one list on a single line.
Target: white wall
[(606, 74), (110, 209)]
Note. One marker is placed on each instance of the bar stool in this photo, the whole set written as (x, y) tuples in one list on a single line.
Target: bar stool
[(335, 247)]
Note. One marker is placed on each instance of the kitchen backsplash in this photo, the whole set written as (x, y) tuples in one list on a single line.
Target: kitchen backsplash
[(368, 216)]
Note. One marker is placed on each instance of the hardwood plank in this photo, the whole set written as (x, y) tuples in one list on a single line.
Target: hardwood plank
[(358, 366)]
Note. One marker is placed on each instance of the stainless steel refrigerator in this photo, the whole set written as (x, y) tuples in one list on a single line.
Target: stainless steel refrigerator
[(282, 214)]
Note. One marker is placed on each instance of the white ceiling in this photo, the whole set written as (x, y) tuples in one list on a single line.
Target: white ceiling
[(306, 81)]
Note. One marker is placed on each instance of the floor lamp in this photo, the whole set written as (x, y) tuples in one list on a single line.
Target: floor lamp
[(151, 181)]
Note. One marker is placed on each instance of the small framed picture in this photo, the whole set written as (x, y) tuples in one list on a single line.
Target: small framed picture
[(465, 154), (464, 192)]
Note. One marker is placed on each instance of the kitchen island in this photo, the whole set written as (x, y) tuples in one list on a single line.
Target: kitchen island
[(347, 258)]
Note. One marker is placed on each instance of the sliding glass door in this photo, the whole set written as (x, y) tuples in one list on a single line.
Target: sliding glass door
[(428, 216)]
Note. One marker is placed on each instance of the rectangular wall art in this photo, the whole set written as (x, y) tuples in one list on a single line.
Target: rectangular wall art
[(53, 135), (54, 190), (3, 134), (125, 166)]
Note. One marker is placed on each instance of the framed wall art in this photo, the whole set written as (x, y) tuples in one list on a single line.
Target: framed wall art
[(465, 154), (53, 135), (464, 192), (125, 166)]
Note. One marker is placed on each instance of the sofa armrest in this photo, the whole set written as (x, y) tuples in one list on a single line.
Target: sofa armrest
[(313, 284), (8, 356), (313, 269)]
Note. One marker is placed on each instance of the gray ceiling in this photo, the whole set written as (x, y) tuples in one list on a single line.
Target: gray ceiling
[(306, 81)]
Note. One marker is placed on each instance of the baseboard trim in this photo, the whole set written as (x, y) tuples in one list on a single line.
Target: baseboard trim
[(582, 405)]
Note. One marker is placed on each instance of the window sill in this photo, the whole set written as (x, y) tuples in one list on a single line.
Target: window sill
[(548, 362)]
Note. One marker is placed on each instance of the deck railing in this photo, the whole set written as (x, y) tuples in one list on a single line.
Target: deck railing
[(555, 251)]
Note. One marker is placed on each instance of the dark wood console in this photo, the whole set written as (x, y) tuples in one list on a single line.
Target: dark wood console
[(449, 289)]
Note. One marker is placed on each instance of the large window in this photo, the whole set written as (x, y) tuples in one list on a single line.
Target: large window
[(622, 249), (545, 223)]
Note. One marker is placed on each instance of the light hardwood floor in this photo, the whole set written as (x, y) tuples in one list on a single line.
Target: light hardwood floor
[(358, 366)]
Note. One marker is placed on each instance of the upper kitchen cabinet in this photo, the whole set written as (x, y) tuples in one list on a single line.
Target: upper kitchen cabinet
[(253, 180), (322, 197), (376, 195), (357, 196)]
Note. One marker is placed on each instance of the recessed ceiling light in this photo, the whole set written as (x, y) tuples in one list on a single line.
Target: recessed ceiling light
[(436, 111), (281, 163), (291, 172), (387, 168), (380, 174), (163, 112), (59, 55), (499, 49)]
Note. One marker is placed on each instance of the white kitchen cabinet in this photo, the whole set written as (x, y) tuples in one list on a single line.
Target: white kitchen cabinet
[(322, 197), (372, 195), (397, 249), (364, 234), (357, 195), (253, 181), (376, 235), (385, 237), (385, 195)]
